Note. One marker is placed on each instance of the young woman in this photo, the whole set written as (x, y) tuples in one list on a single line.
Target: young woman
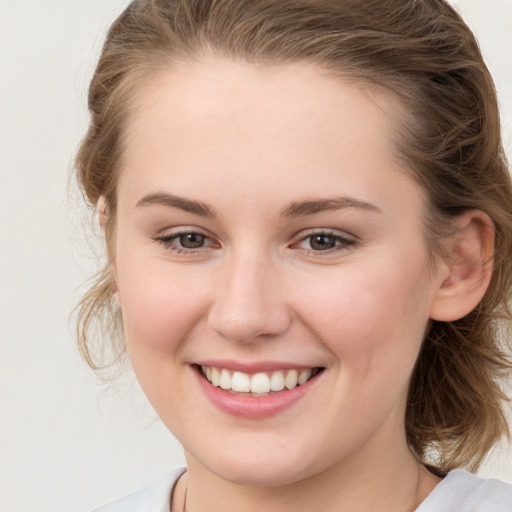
[(308, 217)]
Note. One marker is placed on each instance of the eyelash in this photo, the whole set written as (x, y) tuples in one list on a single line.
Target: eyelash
[(168, 242), (342, 243)]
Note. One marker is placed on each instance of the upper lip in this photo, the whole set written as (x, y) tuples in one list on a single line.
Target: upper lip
[(254, 367)]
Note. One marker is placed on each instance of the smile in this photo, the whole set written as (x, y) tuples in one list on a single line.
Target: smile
[(258, 384), (255, 394)]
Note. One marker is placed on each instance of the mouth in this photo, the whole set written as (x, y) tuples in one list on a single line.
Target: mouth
[(257, 384)]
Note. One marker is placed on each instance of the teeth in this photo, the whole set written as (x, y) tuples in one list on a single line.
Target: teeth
[(277, 381), (215, 377), (241, 382), (304, 376), (259, 383), (225, 379), (291, 379)]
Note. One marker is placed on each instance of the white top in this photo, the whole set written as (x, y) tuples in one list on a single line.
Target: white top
[(460, 491), (154, 498)]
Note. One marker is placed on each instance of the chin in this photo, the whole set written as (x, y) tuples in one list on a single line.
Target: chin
[(263, 467), (262, 475)]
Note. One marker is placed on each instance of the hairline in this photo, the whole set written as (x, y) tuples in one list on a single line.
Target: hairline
[(144, 76)]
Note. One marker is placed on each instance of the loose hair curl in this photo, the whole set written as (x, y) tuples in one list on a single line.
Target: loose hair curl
[(449, 138)]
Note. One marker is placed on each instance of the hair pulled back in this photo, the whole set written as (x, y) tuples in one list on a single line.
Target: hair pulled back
[(449, 138)]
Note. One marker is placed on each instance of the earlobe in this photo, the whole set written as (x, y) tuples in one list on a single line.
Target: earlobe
[(101, 210), (469, 262), (117, 296)]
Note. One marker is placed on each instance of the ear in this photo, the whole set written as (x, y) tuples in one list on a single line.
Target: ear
[(101, 209), (467, 265)]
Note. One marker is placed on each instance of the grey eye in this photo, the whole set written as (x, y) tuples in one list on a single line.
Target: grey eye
[(322, 242), (192, 240)]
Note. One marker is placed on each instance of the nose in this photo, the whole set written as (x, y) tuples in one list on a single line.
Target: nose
[(250, 303)]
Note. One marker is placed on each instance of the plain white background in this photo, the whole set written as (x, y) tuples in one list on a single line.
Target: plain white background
[(68, 442)]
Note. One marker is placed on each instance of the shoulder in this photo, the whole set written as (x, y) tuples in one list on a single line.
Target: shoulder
[(465, 492), (153, 498)]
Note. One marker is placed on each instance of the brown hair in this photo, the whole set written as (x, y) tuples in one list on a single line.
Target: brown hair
[(422, 51)]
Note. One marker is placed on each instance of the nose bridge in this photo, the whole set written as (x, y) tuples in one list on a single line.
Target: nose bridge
[(249, 301)]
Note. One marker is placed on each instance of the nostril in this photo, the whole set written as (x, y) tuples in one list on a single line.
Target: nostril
[(249, 323)]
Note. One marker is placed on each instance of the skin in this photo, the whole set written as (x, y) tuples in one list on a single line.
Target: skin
[(249, 142)]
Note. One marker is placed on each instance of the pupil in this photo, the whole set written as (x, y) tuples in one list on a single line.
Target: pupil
[(192, 241), (322, 242)]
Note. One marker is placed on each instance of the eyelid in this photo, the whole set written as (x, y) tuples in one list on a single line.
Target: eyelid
[(166, 239), (347, 240), (306, 233)]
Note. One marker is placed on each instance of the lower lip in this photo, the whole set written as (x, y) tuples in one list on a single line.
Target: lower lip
[(254, 407)]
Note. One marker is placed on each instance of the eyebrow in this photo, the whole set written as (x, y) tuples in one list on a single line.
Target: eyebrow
[(295, 209), (187, 205), (312, 206)]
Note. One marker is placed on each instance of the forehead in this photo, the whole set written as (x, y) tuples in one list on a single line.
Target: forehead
[(294, 125), (197, 95)]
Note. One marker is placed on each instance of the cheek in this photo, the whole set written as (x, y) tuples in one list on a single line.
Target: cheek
[(372, 321), (371, 314), (160, 307)]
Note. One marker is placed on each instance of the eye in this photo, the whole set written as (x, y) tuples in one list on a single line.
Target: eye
[(186, 242), (191, 240), (322, 242), (325, 242)]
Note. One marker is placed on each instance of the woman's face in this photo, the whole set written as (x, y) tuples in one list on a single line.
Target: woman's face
[(268, 236)]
